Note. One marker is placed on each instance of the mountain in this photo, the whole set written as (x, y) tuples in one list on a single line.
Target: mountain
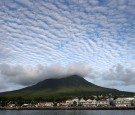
[(69, 86)]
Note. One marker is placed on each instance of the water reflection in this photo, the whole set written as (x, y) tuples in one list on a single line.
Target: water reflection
[(67, 112)]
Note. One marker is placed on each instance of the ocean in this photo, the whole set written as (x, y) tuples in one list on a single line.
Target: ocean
[(67, 112)]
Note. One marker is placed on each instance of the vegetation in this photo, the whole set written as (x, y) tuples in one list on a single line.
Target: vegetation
[(60, 89)]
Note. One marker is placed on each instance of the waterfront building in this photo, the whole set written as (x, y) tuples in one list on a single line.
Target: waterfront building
[(11, 105), (41, 104), (45, 104), (122, 102), (88, 103), (49, 104), (76, 100), (94, 103), (133, 102), (73, 101), (63, 104), (103, 103), (68, 102), (26, 105), (82, 102)]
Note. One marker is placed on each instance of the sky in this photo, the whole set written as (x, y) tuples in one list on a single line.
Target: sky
[(41, 39)]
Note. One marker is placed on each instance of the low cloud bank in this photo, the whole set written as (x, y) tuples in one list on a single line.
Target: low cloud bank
[(28, 75), (25, 75)]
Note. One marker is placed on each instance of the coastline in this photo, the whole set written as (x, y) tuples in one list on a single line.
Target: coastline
[(68, 108)]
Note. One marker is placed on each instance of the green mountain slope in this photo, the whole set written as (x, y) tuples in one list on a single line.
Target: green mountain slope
[(69, 86)]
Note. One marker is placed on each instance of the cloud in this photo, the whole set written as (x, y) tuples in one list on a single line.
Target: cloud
[(97, 32), (5, 53), (3, 85), (29, 75), (120, 75)]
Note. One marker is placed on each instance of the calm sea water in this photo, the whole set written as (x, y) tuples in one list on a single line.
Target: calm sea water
[(67, 112)]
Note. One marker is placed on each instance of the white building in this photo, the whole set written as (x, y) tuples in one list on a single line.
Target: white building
[(12, 105), (45, 104), (41, 104), (130, 98), (133, 102), (122, 102), (103, 103), (70, 102), (82, 102), (62, 104), (26, 105), (49, 104), (94, 103), (76, 100), (88, 103)]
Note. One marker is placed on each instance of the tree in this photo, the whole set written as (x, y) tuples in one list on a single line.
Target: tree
[(19, 100), (115, 97), (74, 103)]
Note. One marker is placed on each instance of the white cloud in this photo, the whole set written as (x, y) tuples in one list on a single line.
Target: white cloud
[(29, 75), (120, 73), (97, 32)]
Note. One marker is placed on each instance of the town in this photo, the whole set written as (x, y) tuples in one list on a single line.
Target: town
[(74, 102)]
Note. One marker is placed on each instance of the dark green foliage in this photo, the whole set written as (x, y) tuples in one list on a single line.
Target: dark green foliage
[(74, 104)]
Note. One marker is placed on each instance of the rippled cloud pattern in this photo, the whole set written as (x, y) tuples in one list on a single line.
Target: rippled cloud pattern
[(100, 33)]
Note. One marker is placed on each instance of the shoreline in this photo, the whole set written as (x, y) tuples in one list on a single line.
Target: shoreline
[(67, 108)]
